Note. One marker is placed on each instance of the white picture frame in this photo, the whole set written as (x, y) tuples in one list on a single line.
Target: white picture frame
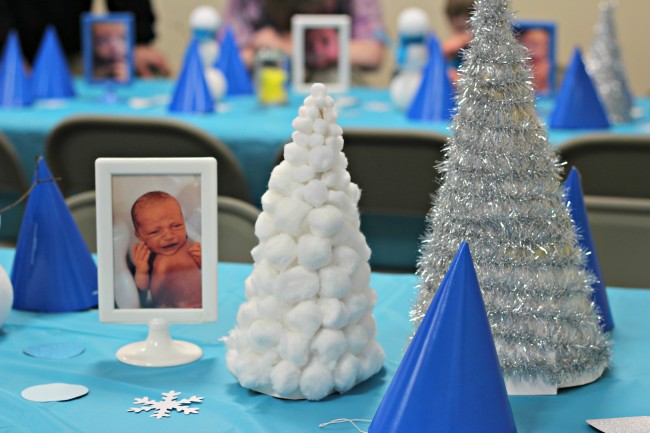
[(305, 26), (119, 182)]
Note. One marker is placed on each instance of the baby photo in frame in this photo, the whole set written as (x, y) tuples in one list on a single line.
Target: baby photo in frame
[(321, 52), (539, 39), (108, 42)]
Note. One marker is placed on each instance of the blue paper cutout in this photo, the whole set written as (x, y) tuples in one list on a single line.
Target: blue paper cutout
[(15, 88), (434, 100), (574, 196), (449, 380), (53, 269), (54, 350), (192, 94), (233, 68), (578, 105), (51, 77)]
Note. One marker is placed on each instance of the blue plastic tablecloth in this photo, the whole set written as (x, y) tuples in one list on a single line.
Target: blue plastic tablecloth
[(228, 408)]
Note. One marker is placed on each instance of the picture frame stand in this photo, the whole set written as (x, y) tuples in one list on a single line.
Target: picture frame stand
[(159, 349), (110, 95)]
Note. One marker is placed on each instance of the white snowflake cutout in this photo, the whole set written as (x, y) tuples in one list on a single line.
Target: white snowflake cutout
[(168, 403)]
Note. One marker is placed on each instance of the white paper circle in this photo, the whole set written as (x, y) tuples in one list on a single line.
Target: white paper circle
[(54, 392)]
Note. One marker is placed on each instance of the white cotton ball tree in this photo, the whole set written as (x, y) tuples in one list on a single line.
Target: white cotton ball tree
[(306, 329)]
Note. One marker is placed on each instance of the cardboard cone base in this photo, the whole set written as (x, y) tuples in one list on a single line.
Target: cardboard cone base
[(539, 387)]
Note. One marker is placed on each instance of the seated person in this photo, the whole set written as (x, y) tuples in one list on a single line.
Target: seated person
[(458, 14), (538, 41), (110, 50), (166, 262)]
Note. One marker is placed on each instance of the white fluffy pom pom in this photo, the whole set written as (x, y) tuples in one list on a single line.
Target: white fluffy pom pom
[(281, 178), (343, 235), (303, 173), (280, 250), (316, 381), (313, 112), (371, 359), (346, 372), (247, 314), (318, 89), (315, 192), (316, 140), (369, 324), (270, 200), (334, 282), (334, 130), (270, 308), (339, 199), (361, 278), (263, 277), (295, 154), (357, 338), (331, 116), (289, 215), (294, 347), (320, 127), (314, 252), (329, 344), (264, 334), (322, 158), (305, 318), (264, 226), (358, 305), (346, 258), (325, 221), (285, 378), (295, 285), (249, 288), (299, 138), (336, 143), (335, 313), (302, 124), (354, 193)]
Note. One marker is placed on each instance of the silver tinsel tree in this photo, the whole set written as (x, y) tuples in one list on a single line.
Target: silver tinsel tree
[(605, 65), (501, 193)]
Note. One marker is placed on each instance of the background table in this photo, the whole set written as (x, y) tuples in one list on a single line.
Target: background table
[(623, 391), (254, 133)]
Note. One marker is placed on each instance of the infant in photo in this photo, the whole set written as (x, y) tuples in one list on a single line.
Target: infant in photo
[(167, 263)]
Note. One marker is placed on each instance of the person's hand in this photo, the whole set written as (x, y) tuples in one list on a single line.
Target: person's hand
[(141, 254), (149, 62), (268, 37), (195, 252)]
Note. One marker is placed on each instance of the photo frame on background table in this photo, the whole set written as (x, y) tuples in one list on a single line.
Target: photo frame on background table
[(108, 43), (157, 250), (539, 37), (320, 52)]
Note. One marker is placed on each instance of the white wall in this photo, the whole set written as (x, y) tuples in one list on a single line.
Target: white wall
[(575, 19)]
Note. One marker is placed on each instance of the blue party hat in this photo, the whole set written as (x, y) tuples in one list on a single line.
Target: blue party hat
[(449, 380), (51, 77), (578, 105), (233, 68), (53, 270), (434, 100), (191, 94), (574, 197), (15, 88)]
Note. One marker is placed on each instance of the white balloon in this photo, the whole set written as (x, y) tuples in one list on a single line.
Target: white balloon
[(403, 88), (413, 21), (205, 17), (6, 295)]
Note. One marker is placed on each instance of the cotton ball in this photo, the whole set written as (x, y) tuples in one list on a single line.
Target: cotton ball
[(335, 130), (264, 226), (322, 158), (249, 288), (316, 381), (301, 139), (264, 334), (329, 102), (369, 325), (247, 314), (315, 192), (298, 192), (294, 347), (343, 235), (295, 154), (234, 340), (342, 163), (216, 82), (289, 215), (334, 282), (303, 174), (304, 318), (314, 252), (249, 371), (316, 140), (361, 278), (285, 378), (335, 313), (281, 178), (358, 305), (320, 126), (257, 253), (346, 258), (312, 112), (346, 372), (357, 338), (270, 200), (330, 116), (336, 143), (302, 124), (309, 100), (358, 242), (295, 285), (263, 277), (325, 221), (340, 200), (318, 90), (337, 178), (354, 193), (269, 307), (329, 344), (371, 359)]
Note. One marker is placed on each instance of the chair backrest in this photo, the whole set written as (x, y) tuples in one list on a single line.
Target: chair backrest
[(621, 231), (236, 225), (610, 165), (13, 184), (74, 144)]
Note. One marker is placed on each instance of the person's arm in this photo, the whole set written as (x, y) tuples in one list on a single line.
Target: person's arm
[(141, 254), (368, 34), (240, 17), (366, 53)]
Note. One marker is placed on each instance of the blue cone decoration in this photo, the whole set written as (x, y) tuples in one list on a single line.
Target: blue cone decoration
[(449, 380), (233, 68), (574, 197), (578, 105), (53, 269), (15, 89), (191, 94), (434, 100), (51, 78)]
